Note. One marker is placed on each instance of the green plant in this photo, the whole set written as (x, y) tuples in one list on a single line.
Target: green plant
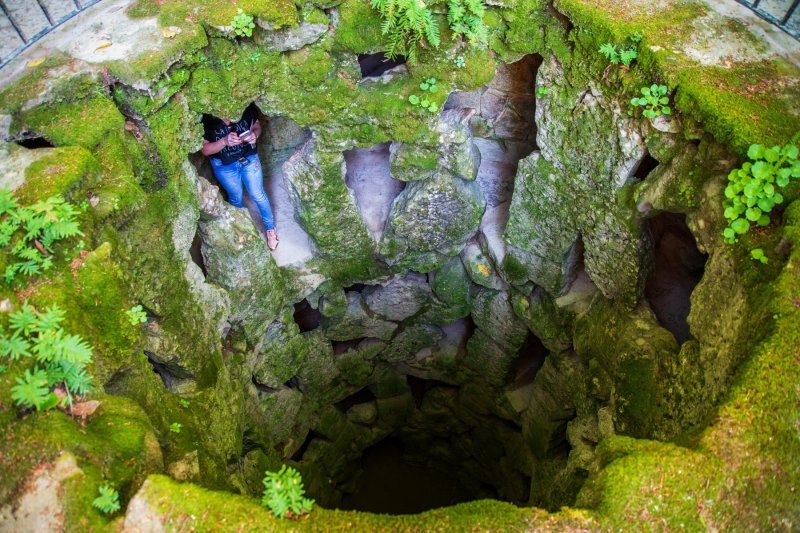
[(284, 493), (406, 24), (255, 56), (758, 255), (243, 24), (654, 101), (754, 189), (31, 231), (108, 501), (542, 91), (624, 55), (60, 358), (466, 18), (175, 427), (460, 62), (428, 86), (136, 315), (184, 403)]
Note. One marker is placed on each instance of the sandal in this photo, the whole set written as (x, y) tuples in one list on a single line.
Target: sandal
[(272, 239)]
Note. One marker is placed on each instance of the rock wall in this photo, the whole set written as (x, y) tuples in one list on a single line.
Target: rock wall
[(490, 314)]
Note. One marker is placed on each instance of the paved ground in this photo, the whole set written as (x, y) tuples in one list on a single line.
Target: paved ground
[(103, 32), (31, 17)]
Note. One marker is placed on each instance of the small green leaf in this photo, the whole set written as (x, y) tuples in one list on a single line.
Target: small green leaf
[(763, 220), (753, 214), (756, 151), (790, 151), (740, 226), (666, 110)]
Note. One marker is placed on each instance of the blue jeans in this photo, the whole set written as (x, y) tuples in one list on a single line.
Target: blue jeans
[(232, 176)]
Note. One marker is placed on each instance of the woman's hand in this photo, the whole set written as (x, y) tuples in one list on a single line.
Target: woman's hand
[(232, 139)]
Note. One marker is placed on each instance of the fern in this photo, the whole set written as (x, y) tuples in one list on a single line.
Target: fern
[(406, 24), (284, 493), (31, 232), (61, 358), (466, 18), (32, 389), (108, 501)]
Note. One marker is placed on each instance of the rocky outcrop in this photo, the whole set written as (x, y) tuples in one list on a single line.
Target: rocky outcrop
[(569, 189)]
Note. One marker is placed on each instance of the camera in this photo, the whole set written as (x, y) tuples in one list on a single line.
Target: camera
[(246, 136)]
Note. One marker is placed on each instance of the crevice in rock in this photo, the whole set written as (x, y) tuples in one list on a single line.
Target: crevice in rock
[(298, 455), (375, 65), (647, 164), (529, 360), (679, 266), (293, 383), (172, 374), (504, 129), (363, 395), (306, 317), (32, 143), (355, 287), (562, 18), (419, 387), (367, 176), (340, 347), (195, 252)]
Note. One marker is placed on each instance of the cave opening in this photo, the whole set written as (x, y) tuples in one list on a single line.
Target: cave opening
[(529, 361), (645, 167), (389, 483), (375, 65), (679, 266), (196, 253), (306, 317), (280, 139), (32, 143)]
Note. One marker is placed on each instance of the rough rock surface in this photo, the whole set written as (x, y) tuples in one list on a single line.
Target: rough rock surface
[(579, 175)]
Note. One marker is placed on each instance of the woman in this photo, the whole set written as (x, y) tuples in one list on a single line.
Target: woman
[(231, 147)]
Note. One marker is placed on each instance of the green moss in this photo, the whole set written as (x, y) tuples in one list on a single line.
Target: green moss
[(739, 104), (82, 123), (359, 29), (39, 79), (62, 171), (215, 511), (117, 440), (275, 13)]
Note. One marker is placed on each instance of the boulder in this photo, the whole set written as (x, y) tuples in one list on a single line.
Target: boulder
[(401, 298), (357, 323), (430, 220)]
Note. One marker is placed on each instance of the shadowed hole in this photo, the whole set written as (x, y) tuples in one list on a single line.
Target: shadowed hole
[(374, 65)]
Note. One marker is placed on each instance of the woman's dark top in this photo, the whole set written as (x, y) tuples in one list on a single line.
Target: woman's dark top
[(215, 130)]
